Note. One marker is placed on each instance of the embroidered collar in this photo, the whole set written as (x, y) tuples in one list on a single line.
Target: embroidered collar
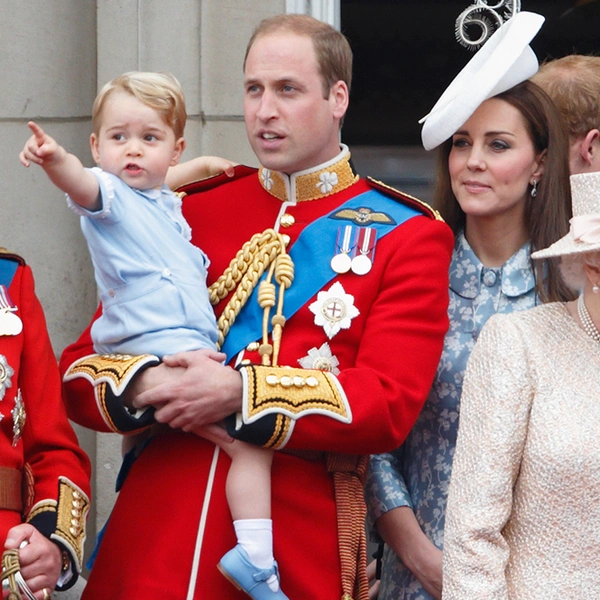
[(311, 184), (468, 274)]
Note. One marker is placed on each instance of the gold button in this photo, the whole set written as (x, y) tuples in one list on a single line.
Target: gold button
[(73, 531), (252, 346), (312, 381), (287, 220)]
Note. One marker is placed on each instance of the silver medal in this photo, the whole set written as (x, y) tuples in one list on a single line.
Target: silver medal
[(10, 324), (341, 262), (361, 264)]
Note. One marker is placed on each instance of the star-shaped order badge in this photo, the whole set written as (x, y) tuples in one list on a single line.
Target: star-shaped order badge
[(6, 372), (334, 309), (321, 359)]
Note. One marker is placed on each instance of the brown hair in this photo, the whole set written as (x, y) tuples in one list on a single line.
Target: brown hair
[(547, 215), (160, 91), (332, 49), (573, 83)]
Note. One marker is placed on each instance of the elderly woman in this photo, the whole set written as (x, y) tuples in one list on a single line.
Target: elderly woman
[(523, 517)]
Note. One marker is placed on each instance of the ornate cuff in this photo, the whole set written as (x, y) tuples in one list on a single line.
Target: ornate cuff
[(275, 397), (110, 374)]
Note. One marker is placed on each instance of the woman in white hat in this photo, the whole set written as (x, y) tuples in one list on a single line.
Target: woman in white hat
[(523, 516), (503, 188)]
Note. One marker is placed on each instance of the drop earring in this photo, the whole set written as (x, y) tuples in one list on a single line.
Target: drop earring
[(534, 188), (595, 288)]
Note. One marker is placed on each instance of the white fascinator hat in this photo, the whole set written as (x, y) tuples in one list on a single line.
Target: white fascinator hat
[(504, 61), (584, 233)]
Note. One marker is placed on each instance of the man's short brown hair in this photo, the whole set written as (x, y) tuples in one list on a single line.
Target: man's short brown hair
[(573, 83), (334, 56)]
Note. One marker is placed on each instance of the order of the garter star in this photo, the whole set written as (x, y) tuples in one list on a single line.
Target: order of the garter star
[(321, 359), (334, 309)]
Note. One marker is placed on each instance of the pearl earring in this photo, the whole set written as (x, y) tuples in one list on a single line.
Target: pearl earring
[(534, 188), (595, 288)]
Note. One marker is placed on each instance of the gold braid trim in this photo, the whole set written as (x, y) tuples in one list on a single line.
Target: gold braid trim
[(72, 511), (10, 568), (292, 392), (262, 251)]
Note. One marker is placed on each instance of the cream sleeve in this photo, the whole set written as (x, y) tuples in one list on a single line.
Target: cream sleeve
[(494, 415)]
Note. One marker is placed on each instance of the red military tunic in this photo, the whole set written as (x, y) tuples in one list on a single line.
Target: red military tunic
[(159, 541), (37, 443)]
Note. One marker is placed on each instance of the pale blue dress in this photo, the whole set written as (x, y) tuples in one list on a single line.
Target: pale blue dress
[(417, 474)]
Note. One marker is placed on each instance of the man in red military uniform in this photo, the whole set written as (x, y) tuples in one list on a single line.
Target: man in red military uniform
[(44, 475), (333, 356)]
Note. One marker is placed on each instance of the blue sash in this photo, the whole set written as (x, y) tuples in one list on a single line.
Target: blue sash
[(311, 254), (8, 268)]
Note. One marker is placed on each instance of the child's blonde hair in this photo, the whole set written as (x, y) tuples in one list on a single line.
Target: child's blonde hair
[(160, 91)]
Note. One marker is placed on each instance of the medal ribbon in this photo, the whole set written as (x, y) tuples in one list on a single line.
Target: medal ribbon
[(311, 254), (6, 304)]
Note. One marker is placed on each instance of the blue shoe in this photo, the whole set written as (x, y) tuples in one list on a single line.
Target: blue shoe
[(245, 576)]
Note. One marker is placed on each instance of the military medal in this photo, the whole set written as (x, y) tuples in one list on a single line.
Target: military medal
[(342, 262), (6, 372), (334, 309), (363, 261), (10, 323)]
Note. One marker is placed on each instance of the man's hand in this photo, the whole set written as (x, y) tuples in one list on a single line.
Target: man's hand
[(199, 390), (40, 559), (40, 148)]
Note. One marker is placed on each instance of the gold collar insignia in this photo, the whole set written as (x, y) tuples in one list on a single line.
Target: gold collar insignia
[(313, 184)]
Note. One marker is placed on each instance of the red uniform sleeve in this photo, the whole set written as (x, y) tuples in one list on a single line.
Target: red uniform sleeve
[(57, 470)]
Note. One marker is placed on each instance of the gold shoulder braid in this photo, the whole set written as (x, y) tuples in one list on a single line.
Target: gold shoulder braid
[(262, 251)]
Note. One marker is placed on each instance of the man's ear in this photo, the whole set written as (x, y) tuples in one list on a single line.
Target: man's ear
[(177, 151), (589, 149), (340, 98)]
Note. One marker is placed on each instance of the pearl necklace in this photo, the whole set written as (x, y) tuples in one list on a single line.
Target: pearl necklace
[(586, 320)]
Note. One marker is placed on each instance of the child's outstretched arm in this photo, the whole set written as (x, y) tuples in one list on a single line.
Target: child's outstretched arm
[(64, 169), (197, 168)]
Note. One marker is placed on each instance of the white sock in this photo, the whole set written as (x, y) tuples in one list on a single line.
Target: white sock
[(256, 537)]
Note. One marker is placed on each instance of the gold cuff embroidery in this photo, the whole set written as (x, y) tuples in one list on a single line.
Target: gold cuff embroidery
[(73, 507), (116, 370), (292, 392)]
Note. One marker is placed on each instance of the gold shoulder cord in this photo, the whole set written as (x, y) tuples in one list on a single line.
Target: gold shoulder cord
[(263, 251)]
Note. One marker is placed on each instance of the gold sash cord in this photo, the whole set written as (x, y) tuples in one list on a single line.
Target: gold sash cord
[(349, 472), (262, 251)]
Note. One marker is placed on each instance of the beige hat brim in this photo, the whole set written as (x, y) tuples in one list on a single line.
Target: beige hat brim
[(504, 61), (565, 246)]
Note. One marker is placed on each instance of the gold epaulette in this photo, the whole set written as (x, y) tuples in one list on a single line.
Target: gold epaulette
[(405, 198), (203, 185)]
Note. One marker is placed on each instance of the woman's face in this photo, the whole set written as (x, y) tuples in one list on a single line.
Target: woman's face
[(492, 162)]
